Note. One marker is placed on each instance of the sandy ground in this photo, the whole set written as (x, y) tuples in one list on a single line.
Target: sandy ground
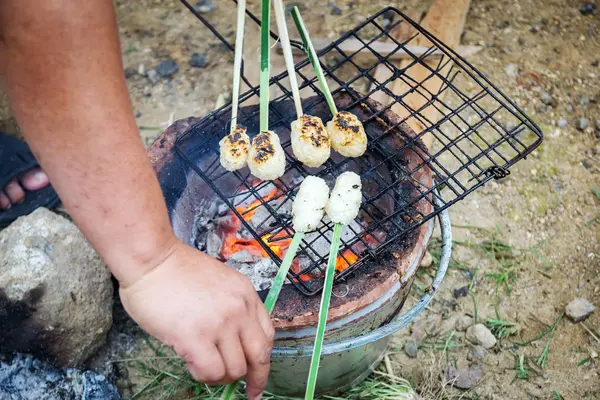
[(542, 210)]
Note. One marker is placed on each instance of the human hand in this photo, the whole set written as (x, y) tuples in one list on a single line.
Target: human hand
[(209, 313)]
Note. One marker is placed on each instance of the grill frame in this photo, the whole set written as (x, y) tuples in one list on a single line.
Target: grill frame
[(461, 163)]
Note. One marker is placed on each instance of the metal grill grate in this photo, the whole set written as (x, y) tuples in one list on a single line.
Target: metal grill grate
[(478, 134)]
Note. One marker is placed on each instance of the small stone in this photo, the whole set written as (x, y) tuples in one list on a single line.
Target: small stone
[(587, 8), (153, 77), (142, 69), (579, 309), (480, 334), (477, 353), (336, 11), (463, 323), (427, 260), (562, 123), (199, 60), (512, 70), (410, 348), (205, 6), (593, 355), (464, 378), (598, 125), (166, 68), (543, 108), (461, 292), (130, 72), (546, 98), (582, 123)]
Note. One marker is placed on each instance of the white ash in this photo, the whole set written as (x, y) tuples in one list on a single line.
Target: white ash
[(260, 273), (213, 245)]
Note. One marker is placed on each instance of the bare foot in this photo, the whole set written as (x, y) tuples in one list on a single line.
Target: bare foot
[(14, 191)]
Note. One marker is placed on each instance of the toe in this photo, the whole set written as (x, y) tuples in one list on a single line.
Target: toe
[(34, 179), (4, 201), (14, 191)]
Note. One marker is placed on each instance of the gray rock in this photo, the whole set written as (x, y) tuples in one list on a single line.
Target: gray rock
[(410, 348), (153, 77), (130, 72), (463, 323), (477, 353), (55, 289), (205, 6), (461, 292), (579, 309), (336, 11), (562, 123), (587, 8), (582, 123), (167, 68), (464, 378), (546, 98), (480, 334), (24, 377), (198, 60)]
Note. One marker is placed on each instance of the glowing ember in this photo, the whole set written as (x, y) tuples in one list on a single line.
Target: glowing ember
[(233, 243)]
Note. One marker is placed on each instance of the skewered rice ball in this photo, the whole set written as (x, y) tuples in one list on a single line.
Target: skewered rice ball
[(266, 158), (310, 141), (346, 197), (347, 134), (234, 149), (309, 205)]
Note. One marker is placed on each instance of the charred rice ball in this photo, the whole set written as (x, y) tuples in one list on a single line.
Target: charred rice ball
[(234, 149), (345, 199), (347, 134), (309, 205), (310, 141), (266, 158)]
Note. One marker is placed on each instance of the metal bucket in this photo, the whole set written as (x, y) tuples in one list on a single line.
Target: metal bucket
[(347, 362)]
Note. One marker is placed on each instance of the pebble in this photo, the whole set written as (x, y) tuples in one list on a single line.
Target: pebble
[(130, 72), (205, 6), (546, 98), (480, 334), (410, 348), (579, 309), (153, 76), (512, 70), (142, 70), (167, 68), (562, 123), (461, 292), (587, 8), (464, 378), (477, 353), (336, 11), (463, 323), (198, 60), (427, 260), (582, 123)]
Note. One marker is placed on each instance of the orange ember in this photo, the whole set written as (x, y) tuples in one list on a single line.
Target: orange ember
[(232, 243)]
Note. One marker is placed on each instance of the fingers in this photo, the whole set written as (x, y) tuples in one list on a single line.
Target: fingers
[(206, 365), (14, 191), (264, 319), (232, 354), (257, 348), (34, 179), (4, 201)]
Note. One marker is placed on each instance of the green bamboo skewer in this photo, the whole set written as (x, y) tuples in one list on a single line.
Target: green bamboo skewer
[(323, 311), (314, 59)]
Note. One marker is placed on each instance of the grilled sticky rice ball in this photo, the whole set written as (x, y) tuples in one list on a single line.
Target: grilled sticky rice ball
[(234, 149), (309, 205), (266, 158), (347, 134), (310, 141), (345, 199)]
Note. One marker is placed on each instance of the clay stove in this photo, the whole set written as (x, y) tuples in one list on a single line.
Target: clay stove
[(249, 226)]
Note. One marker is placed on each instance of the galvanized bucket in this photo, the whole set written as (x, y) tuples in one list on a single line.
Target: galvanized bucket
[(347, 362)]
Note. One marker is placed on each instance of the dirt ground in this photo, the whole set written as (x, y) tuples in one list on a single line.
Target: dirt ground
[(543, 212)]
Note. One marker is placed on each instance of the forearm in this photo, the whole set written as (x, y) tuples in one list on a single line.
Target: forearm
[(61, 67)]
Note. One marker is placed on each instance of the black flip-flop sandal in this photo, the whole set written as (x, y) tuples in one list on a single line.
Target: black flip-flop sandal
[(15, 159)]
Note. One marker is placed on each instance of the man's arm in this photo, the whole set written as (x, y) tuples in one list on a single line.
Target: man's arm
[(60, 63)]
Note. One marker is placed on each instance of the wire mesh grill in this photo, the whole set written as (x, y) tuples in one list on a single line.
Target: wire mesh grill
[(478, 133)]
